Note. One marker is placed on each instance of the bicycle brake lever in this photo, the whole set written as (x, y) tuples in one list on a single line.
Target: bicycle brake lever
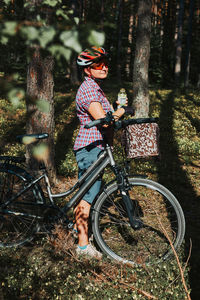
[(109, 118)]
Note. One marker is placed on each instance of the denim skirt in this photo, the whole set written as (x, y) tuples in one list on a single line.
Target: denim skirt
[(85, 158)]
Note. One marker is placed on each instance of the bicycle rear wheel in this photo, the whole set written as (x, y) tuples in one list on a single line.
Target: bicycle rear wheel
[(19, 220), (161, 215)]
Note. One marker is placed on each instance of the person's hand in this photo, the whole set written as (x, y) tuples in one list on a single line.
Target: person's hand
[(116, 104), (129, 110), (126, 103)]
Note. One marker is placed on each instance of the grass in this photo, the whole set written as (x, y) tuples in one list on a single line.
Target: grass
[(51, 272)]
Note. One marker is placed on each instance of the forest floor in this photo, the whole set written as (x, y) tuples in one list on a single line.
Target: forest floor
[(47, 268)]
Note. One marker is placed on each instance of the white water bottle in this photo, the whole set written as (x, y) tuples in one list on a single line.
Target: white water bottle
[(122, 96)]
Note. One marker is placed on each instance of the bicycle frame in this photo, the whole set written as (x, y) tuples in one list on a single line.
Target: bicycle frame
[(85, 182)]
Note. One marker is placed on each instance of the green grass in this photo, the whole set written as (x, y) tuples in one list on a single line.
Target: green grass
[(47, 273)]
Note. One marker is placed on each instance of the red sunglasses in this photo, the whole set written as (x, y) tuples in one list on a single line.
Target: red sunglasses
[(100, 65)]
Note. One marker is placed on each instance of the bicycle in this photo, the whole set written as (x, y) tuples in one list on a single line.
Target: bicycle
[(133, 219)]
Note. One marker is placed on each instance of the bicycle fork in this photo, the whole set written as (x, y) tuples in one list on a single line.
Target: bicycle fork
[(135, 221), (123, 186)]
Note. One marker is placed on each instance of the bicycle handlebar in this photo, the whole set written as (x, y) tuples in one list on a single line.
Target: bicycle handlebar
[(107, 120), (94, 123), (121, 123)]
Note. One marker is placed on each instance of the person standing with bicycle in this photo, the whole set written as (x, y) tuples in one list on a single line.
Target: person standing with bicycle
[(91, 104)]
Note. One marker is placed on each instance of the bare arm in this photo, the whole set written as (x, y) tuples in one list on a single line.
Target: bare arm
[(97, 112)]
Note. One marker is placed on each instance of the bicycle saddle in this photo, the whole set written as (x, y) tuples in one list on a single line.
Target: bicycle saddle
[(31, 138)]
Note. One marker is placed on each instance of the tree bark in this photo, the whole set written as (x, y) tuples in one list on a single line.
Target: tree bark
[(129, 53), (40, 107), (119, 39), (74, 73), (102, 14), (177, 70), (189, 37), (141, 62), (39, 100)]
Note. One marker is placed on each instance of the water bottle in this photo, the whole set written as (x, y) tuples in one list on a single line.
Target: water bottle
[(122, 96)]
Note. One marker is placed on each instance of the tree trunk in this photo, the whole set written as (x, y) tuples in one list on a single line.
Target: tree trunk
[(169, 27), (119, 40), (102, 15), (40, 107), (128, 65), (74, 75), (179, 42), (189, 36), (141, 62)]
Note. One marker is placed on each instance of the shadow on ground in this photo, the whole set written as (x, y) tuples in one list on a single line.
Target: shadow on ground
[(172, 175)]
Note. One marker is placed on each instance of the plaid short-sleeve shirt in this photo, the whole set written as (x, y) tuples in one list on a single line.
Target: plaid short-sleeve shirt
[(88, 92)]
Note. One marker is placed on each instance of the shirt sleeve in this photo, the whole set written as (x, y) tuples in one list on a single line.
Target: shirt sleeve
[(91, 95)]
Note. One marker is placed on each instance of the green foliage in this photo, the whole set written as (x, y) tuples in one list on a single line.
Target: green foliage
[(60, 36), (62, 33), (48, 274), (10, 28), (96, 38), (52, 3), (43, 105), (15, 96), (70, 39), (95, 23)]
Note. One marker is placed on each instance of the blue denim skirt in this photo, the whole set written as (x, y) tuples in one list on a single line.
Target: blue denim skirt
[(85, 158)]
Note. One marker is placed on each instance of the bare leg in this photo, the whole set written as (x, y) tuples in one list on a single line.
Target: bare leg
[(82, 211)]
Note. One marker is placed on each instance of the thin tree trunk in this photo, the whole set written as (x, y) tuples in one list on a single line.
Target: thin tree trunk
[(177, 70), (141, 62), (169, 27), (102, 15), (74, 77), (119, 41), (40, 107), (1, 295), (130, 42), (189, 36)]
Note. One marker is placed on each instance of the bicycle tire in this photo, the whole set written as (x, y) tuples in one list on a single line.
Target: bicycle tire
[(157, 208), (19, 220)]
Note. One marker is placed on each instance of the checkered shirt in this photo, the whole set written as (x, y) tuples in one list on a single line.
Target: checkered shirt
[(88, 92)]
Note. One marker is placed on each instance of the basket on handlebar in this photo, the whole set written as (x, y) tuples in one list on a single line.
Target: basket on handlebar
[(141, 140)]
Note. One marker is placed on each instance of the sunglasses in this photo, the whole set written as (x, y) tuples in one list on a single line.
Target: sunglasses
[(100, 65)]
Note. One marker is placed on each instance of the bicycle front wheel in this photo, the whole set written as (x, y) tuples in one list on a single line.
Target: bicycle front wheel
[(19, 220), (162, 218)]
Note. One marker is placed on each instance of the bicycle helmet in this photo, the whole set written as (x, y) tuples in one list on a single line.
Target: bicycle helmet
[(91, 55)]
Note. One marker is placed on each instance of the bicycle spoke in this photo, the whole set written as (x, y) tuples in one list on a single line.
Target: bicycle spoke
[(159, 213), (19, 219)]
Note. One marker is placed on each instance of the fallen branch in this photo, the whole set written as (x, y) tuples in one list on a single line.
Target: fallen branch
[(144, 293), (189, 255), (176, 256)]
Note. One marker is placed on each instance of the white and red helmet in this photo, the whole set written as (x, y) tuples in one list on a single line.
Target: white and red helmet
[(91, 55)]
